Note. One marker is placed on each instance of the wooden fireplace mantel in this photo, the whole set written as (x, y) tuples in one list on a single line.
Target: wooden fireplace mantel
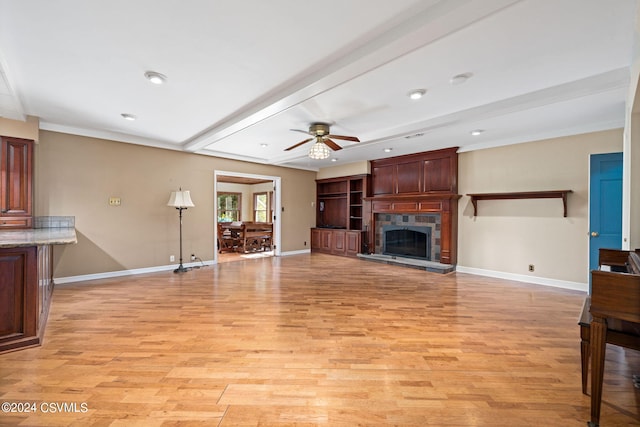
[(552, 194), (410, 202), (444, 204)]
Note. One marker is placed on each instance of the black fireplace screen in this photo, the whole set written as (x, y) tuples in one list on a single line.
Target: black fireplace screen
[(412, 242)]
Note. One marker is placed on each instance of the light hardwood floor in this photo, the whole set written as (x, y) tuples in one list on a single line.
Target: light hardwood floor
[(312, 340)]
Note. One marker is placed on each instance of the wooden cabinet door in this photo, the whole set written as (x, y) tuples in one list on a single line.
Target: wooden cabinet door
[(353, 243), (16, 199), (383, 181), (325, 240), (438, 175), (18, 296), (316, 239), (408, 177), (339, 242)]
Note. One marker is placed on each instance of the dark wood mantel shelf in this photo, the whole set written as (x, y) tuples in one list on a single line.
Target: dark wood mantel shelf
[(553, 194)]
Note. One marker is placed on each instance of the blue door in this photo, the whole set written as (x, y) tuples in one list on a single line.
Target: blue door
[(605, 206)]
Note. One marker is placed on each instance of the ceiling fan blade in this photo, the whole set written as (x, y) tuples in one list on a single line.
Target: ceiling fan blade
[(346, 138), (300, 130), (299, 144), (331, 144)]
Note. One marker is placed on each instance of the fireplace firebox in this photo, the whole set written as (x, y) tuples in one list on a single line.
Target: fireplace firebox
[(410, 242)]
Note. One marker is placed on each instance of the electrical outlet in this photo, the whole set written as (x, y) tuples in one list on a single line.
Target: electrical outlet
[(532, 267), (172, 258), (193, 257)]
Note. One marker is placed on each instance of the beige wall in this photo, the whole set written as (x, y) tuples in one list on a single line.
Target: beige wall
[(28, 129), (76, 176), (356, 168), (508, 235)]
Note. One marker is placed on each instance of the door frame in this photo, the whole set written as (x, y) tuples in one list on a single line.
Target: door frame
[(277, 203)]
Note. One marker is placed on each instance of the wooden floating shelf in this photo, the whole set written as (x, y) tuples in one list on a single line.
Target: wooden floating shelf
[(554, 194)]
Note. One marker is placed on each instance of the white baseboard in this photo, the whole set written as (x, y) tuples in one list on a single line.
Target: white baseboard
[(120, 273), (564, 284), (300, 252)]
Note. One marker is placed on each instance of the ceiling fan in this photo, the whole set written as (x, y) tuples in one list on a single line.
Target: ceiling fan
[(320, 132)]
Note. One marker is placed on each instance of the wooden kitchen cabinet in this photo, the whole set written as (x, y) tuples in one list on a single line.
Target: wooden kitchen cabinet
[(16, 183), (26, 286), (18, 297)]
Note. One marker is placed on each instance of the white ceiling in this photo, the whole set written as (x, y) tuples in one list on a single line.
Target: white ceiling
[(242, 73)]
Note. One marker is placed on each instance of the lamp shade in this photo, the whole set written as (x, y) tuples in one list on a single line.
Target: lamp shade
[(180, 199)]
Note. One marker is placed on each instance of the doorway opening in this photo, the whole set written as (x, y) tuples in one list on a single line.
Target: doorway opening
[(245, 216)]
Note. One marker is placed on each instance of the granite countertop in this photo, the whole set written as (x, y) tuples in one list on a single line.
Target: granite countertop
[(37, 236)]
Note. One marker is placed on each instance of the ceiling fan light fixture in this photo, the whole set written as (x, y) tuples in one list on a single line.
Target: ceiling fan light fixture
[(319, 150), (417, 93), (155, 77)]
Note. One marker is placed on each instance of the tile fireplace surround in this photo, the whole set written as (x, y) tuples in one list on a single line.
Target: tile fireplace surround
[(410, 220)]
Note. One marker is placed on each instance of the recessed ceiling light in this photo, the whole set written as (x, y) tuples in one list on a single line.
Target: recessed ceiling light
[(335, 159), (128, 116), (458, 79), (417, 94), (388, 150), (263, 145), (476, 132), (155, 78)]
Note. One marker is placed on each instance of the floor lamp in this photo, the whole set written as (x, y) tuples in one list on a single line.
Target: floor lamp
[(180, 200)]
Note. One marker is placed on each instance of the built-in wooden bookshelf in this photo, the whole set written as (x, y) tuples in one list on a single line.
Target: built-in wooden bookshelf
[(340, 215)]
